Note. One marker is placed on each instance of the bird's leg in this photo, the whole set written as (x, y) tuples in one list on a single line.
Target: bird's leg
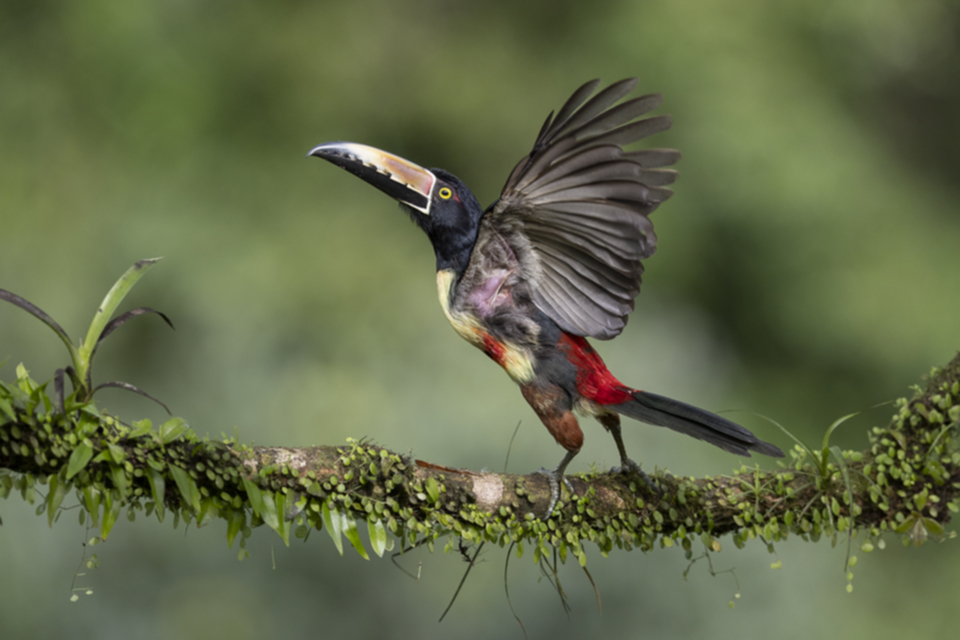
[(612, 422), (552, 404), (554, 476)]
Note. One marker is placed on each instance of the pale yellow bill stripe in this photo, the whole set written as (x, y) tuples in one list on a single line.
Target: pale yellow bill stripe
[(396, 168)]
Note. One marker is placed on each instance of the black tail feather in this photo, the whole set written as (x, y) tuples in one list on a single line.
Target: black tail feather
[(703, 425)]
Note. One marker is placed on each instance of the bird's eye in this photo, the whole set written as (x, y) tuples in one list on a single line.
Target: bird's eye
[(445, 193)]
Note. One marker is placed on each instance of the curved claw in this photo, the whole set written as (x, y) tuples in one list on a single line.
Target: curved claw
[(554, 476), (629, 466)]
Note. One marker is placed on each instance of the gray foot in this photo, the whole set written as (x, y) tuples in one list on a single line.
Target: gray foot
[(554, 476)]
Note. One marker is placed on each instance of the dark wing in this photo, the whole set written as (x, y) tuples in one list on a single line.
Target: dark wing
[(581, 204)]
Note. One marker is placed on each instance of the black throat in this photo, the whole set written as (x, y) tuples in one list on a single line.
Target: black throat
[(452, 225), (453, 247)]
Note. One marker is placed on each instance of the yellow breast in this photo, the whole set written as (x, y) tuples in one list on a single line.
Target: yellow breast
[(517, 361)]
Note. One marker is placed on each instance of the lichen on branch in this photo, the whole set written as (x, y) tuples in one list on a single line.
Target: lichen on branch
[(906, 482)]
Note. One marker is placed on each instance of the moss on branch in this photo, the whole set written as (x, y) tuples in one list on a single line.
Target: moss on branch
[(907, 481)]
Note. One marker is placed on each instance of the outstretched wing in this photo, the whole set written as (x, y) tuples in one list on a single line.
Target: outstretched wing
[(581, 206)]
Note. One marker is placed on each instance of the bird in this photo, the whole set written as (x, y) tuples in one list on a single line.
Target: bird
[(555, 260)]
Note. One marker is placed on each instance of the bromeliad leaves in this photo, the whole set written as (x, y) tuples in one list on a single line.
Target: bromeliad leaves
[(129, 387), (38, 313), (101, 327)]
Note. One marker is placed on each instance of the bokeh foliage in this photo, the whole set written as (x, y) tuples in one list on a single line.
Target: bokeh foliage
[(807, 269)]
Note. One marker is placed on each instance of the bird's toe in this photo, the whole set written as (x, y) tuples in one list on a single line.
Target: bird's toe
[(554, 478)]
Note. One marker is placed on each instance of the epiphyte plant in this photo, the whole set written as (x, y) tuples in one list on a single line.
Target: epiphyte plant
[(83, 353)]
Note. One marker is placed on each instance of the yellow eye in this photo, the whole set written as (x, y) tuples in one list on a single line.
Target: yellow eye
[(445, 193)]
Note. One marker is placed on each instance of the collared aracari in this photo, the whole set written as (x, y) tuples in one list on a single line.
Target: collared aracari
[(555, 260)]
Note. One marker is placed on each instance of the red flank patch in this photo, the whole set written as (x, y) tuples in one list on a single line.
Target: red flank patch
[(495, 349), (594, 380)]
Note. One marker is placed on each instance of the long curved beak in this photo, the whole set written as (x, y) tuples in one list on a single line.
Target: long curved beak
[(400, 179)]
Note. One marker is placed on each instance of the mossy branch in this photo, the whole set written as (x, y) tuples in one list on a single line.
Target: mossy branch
[(907, 481)]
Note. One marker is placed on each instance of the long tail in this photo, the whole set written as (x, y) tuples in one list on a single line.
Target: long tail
[(703, 425)]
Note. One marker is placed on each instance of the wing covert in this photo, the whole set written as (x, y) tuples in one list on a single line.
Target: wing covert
[(583, 206)]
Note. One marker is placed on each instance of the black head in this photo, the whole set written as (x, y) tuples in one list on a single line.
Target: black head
[(437, 201), (452, 222)]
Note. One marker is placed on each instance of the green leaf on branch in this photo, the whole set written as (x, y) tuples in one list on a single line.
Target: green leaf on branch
[(26, 384), (235, 522), (208, 512), (253, 493), (172, 429), (157, 489), (187, 486), (353, 535), (333, 522), (433, 490), (273, 514), (378, 536), (119, 477), (140, 428), (284, 528), (933, 526), (7, 409), (111, 511), (91, 500), (269, 512), (116, 452), (58, 489), (79, 458)]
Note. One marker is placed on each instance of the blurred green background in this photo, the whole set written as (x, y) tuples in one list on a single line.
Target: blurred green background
[(808, 267)]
